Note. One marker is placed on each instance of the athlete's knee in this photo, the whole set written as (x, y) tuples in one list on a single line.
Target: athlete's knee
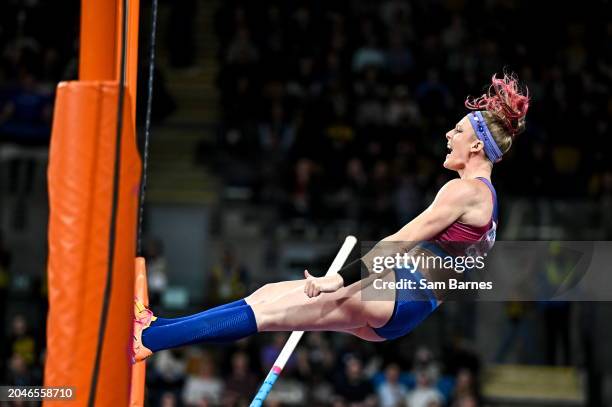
[(257, 295)]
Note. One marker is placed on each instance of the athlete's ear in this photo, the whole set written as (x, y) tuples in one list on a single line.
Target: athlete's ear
[(476, 146)]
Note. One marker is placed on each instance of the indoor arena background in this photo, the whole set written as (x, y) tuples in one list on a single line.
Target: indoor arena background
[(282, 126)]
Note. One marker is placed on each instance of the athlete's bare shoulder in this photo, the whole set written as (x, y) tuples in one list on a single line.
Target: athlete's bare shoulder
[(460, 191)]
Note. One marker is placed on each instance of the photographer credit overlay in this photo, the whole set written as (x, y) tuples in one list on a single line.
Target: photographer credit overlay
[(508, 271)]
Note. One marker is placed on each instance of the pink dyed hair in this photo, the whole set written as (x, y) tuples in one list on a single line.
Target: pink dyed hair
[(505, 100)]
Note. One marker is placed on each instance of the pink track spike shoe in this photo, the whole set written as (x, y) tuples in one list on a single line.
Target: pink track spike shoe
[(142, 320)]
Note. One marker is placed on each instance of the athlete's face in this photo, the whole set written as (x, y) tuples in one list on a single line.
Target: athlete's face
[(462, 143)]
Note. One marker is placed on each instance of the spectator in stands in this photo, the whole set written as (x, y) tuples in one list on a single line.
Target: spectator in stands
[(371, 94), (305, 85), (229, 278), (320, 353), (25, 114), (321, 390), (241, 383), (433, 95), (391, 392), (425, 393), (453, 36), (20, 373), (465, 387), (202, 387), (402, 110), (168, 399), (351, 191), (167, 375), (276, 134), (352, 385), (369, 54), (242, 51), (21, 341), (399, 58), (304, 189), (407, 199)]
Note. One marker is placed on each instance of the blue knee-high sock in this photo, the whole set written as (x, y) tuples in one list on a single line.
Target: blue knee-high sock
[(226, 325), (165, 321)]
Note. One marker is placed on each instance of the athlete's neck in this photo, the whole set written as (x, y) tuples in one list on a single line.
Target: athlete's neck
[(476, 168)]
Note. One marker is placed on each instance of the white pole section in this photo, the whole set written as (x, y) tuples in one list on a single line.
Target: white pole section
[(295, 337)]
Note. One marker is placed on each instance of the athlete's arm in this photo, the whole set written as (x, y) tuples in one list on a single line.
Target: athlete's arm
[(454, 199)]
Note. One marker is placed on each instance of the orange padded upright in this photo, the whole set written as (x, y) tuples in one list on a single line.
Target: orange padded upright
[(81, 176)]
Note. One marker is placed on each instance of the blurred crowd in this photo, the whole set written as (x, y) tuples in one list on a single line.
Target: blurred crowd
[(326, 370), (35, 55), (342, 107), (23, 305)]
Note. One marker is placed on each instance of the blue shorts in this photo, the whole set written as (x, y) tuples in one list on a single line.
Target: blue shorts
[(411, 307)]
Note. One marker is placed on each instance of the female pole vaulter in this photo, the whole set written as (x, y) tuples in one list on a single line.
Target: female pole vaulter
[(464, 210)]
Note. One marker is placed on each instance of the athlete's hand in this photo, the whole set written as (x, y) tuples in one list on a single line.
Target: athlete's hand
[(317, 285)]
